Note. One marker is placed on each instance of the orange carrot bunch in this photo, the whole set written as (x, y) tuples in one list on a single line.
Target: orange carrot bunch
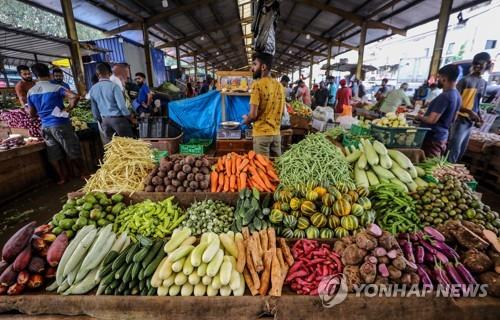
[(234, 172)]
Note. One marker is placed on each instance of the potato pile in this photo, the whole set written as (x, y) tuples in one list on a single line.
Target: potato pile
[(180, 174)]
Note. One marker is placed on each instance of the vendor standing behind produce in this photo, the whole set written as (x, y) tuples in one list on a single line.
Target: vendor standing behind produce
[(441, 112), (395, 98), (472, 87), (46, 100), (58, 78), (303, 93), (344, 96), (23, 86), (108, 106), (267, 102), (144, 98)]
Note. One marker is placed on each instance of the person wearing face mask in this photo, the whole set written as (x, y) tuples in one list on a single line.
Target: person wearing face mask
[(472, 88), (267, 102), (441, 112), (395, 98), (23, 86), (58, 78)]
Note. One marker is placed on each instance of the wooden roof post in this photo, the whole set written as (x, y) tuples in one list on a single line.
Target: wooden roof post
[(195, 61), (76, 57), (311, 72), (206, 69), (444, 18), (178, 58), (361, 51), (147, 54), (328, 58)]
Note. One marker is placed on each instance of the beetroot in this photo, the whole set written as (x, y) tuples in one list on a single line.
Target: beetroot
[(18, 242)]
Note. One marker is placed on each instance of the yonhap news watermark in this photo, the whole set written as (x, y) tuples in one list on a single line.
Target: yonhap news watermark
[(333, 290)]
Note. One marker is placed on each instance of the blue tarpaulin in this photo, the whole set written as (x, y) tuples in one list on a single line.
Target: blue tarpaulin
[(201, 116)]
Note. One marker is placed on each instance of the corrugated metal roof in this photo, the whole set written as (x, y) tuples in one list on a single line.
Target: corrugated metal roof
[(298, 17), (21, 45)]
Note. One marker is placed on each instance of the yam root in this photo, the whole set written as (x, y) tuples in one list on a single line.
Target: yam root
[(266, 274), (241, 260), (353, 255), (245, 232), (368, 272), (271, 235), (258, 242), (286, 252), (366, 241), (250, 265), (255, 254), (249, 281), (284, 265), (264, 240), (277, 278)]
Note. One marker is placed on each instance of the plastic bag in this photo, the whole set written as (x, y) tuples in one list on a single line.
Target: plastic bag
[(323, 113), (264, 26)]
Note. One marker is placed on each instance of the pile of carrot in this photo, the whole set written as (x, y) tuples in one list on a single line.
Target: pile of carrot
[(264, 265), (235, 172)]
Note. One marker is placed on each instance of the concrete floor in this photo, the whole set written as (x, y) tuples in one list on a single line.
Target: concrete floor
[(39, 204)]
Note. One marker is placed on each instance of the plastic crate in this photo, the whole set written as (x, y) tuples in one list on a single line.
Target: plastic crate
[(349, 140), (359, 130), (158, 155), (410, 137), (195, 146), (472, 185)]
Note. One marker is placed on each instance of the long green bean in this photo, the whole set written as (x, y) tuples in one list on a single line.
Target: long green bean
[(314, 159)]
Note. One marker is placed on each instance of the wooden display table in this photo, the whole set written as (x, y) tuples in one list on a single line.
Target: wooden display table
[(22, 169), (286, 307)]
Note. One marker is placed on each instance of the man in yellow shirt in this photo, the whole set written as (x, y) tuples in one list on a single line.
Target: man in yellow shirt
[(267, 102)]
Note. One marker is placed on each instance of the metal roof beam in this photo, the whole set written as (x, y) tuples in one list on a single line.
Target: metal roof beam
[(354, 18), (178, 9), (318, 38)]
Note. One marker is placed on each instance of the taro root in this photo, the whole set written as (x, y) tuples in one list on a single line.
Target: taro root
[(195, 170), (186, 168), (353, 255), (399, 263), (150, 188), (181, 189), (177, 167), (394, 273), (387, 241), (176, 183), (166, 181), (171, 175), (368, 272), (339, 247), (190, 160), (190, 177), (181, 176), (160, 189), (171, 188), (162, 174), (366, 241)]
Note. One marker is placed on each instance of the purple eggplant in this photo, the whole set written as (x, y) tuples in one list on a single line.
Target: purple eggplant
[(441, 257), (453, 273), (408, 251), (436, 235), (445, 249), (424, 277), (428, 246), (441, 276), (420, 254), (428, 257), (413, 236), (466, 275)]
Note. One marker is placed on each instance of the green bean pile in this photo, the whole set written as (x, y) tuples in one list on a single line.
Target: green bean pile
[(315, 160)]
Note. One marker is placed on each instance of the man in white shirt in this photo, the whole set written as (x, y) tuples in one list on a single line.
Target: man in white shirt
[(433, 93)]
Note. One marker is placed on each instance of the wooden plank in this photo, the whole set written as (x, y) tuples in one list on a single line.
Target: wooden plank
[(247, 307), (21, 151)]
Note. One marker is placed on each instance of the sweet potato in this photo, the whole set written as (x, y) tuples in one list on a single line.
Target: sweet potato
[(23, 259), (18, 242), (56, 249), (492, 279), (477, 261), (368, 272), (353, 255), (8, 277), (36, 265), (366, 241)]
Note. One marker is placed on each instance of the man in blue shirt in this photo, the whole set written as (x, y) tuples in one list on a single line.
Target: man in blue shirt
[(332, 95), (108, 106), (144, 98), (46, 100), (58, 78), (441, 112)]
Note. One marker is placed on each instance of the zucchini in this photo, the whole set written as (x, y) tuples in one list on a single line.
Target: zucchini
[(180, 279), (228, 244), (353, 156), (135, 271), (235, 281), (187, 268), (108, 279), (174, 290), (178, 265), (379, 148), (108, 290), (100, 248), (400, 158), (199, 290), (225, 272), (134, 291), (360, 178), (194, 278), (87, 284), (383, 173), (420, 171), (385, 162), (176, 240), (128, 274), (115, 250), (372, 178), (151, 268), (180, 252), (162, 291), (114, 284), (187, 289), (211, 291), (206, 280), (126, 292), (140, 255), (145, 241), (101, 289), (120, 272), (148, 284), (362, 163), (110, 257), (241, 290), (121, 258), (198, 252), (370, 153), (401, 174), (165, 269), (130, 254), (169, 281), (211, 250), (202, 269), (156, 280), (152, 253)]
